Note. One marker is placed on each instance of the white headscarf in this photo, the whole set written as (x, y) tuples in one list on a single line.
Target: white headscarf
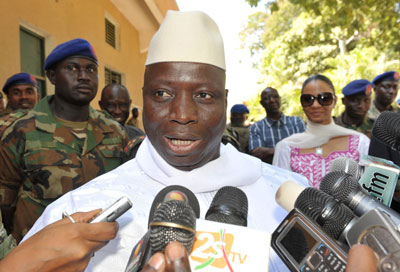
[(317, 135)]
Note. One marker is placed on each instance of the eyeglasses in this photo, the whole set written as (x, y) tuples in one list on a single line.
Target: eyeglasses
[(324, 99)]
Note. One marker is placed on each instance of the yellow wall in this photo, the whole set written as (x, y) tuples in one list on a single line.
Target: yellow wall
[(62, 20)]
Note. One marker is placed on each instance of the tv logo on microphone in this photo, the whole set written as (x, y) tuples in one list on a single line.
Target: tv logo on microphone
[(225, 247), (215, 249)]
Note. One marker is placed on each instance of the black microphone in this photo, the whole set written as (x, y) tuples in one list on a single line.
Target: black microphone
[(229, 205), (333, 217), (172, 195), (347, 190), (173, 220), (385, 137)]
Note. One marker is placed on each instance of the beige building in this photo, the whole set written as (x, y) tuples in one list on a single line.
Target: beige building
[(119, 30)]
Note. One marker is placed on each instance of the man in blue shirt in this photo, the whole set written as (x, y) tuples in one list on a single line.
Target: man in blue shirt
[(265, 134)]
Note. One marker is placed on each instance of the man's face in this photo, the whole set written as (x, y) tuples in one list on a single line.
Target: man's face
[(386, 91), (22, 96), (184, 111), (2, 103), (271, 101), (238, 119), (357, 105), (75, 80), (115, 100)]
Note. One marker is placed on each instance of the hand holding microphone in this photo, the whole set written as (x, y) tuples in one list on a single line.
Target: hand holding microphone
[(172, 218), (174, 259)]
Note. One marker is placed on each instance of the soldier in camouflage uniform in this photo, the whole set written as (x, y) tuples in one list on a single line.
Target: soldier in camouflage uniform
[(7, 241), (237, 127), (59, 145), (22, 93), (2, 103), (357, 100), (385, 86)]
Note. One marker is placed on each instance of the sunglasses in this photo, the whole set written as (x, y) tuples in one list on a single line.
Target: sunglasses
[(324, 99)]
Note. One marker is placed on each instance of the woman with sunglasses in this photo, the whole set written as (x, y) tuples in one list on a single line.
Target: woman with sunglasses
[(311, 153)]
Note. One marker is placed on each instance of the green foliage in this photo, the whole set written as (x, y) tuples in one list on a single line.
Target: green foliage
[(344, 40)]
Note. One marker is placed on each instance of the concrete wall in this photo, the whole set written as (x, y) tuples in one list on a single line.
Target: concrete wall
[(62, 20)]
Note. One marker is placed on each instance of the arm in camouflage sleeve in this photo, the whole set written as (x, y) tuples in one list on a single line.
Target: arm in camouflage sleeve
[(11, 172)]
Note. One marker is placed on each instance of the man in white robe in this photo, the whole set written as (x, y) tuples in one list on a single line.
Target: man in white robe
[(184, 115)]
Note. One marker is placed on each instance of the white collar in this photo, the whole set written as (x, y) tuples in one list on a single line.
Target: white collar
[(231, 168)]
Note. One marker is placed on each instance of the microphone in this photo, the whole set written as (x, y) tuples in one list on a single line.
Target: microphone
[(385, 140), (287, 194), (229, 205), (347, 190), (333, 217), (221, 242), (172, 195), (173, 220), (378, 176), (347, 165)]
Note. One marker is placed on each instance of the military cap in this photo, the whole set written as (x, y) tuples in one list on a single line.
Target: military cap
[(239, 108), (19, 79), (190, 36), (76, 47), (391, 75), (358, 86)]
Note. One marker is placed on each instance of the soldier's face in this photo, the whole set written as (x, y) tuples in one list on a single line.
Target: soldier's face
[(75, 80), (22, 96), (115, 100), (184, 112), (386, 91), (357, 105)]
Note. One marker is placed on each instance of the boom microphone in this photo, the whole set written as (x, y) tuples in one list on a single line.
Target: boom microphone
[(229, 205)]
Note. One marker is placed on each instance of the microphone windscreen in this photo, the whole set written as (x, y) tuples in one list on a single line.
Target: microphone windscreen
[(311, 202), (336, 181), (331, 215), (347, 165), (387, 129), (287, 194), (229, 205), (173, 220), (175, 192)]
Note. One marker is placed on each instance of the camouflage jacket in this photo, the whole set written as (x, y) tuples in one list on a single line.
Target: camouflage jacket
[(7, 242), (241, 134), (373, 112), (7, 119), (365, 127), (41, 159), (6, 111)]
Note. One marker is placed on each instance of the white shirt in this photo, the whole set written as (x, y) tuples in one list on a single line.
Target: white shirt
[(142, 178)]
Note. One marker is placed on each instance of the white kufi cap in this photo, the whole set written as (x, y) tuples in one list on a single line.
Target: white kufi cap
[(187, 37)]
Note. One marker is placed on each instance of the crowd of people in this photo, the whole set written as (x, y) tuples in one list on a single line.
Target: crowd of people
[(58, 154), (285, 141)]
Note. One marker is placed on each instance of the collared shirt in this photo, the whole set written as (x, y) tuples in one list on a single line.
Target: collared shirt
[(373, 112), (42, 159), (365, 127), (268, 132)]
